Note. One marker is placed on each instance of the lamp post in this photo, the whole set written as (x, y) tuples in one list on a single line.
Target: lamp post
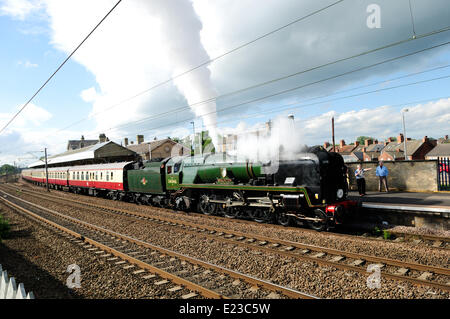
[(404, 132)]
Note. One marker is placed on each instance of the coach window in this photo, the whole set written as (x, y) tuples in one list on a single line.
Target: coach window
[(78, 175), (111, 175), (176, 167), (107, 176), (169, 169)]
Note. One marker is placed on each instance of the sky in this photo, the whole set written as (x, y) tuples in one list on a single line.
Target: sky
[(316, 68)]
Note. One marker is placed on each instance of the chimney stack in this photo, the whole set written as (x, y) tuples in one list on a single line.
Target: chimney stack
[(446, 137), (102, 138), (367, 142), (139, 139), (375, 142), (356, 143), (325, 145), (425, 139), (400, 138), (125, 141), (389, 140), (342, 144)]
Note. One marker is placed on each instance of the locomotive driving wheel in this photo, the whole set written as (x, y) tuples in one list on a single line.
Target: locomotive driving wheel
[(283, 219), (205, 206), (321, 223), (259, 215)]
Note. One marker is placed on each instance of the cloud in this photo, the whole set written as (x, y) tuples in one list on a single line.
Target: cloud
[(426, 119), (18, 9), (139, 46), (27, 64)]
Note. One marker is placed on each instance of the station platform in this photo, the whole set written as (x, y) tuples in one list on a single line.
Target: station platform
[(429, 210), (433, 203)]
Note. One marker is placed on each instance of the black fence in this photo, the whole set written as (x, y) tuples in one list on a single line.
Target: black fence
[(444, 173)]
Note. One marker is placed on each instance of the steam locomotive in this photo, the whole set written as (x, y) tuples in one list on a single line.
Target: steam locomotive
[(310, 189)]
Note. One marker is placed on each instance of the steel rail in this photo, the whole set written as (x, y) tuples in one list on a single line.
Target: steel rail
[(387, 261), (164, 274), (247, 278), (251, 222)]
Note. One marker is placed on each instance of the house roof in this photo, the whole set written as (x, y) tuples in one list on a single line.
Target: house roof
[(411, 146), (359, 155), (375, 148), (440, 150), (75, 144), (144, 147), (345, 149)]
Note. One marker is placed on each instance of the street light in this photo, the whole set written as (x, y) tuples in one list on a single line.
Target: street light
[(404, 132)]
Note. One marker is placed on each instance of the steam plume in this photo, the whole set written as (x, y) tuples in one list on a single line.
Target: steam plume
[(181, 27)]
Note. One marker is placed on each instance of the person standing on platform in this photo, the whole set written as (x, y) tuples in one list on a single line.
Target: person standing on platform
[(360, 179), (382, 173)]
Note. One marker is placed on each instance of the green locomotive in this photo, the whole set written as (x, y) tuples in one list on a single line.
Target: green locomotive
[(310, 189)]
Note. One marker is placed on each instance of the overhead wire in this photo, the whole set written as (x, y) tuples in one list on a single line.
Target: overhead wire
[(295, 88), (59, 68)]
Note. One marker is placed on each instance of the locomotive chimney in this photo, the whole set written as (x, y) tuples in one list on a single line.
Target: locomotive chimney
[(139, 139), (269, 126)]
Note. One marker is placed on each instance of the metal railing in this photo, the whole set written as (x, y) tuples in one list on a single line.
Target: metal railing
[(9, 289), (444, 173)]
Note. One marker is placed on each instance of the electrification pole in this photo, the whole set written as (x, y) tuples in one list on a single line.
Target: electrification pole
[(46, 169)]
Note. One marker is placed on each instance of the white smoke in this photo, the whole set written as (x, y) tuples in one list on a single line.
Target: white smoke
[(282, 139), (181, 28)]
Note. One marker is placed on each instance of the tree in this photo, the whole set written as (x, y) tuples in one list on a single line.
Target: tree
[(8, 169)]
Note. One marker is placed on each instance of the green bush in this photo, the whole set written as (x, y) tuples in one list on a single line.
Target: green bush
[(4, 227)]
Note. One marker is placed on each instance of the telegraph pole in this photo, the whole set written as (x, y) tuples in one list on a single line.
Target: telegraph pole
[(332, 133), (46, 169)]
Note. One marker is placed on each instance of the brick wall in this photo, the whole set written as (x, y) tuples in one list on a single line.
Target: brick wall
[(416, 176)]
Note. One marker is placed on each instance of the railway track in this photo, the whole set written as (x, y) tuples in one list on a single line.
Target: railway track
[(435, 242), (418, 274), (206, 279)]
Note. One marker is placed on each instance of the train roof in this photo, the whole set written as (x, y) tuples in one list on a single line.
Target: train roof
[(119, 165)]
